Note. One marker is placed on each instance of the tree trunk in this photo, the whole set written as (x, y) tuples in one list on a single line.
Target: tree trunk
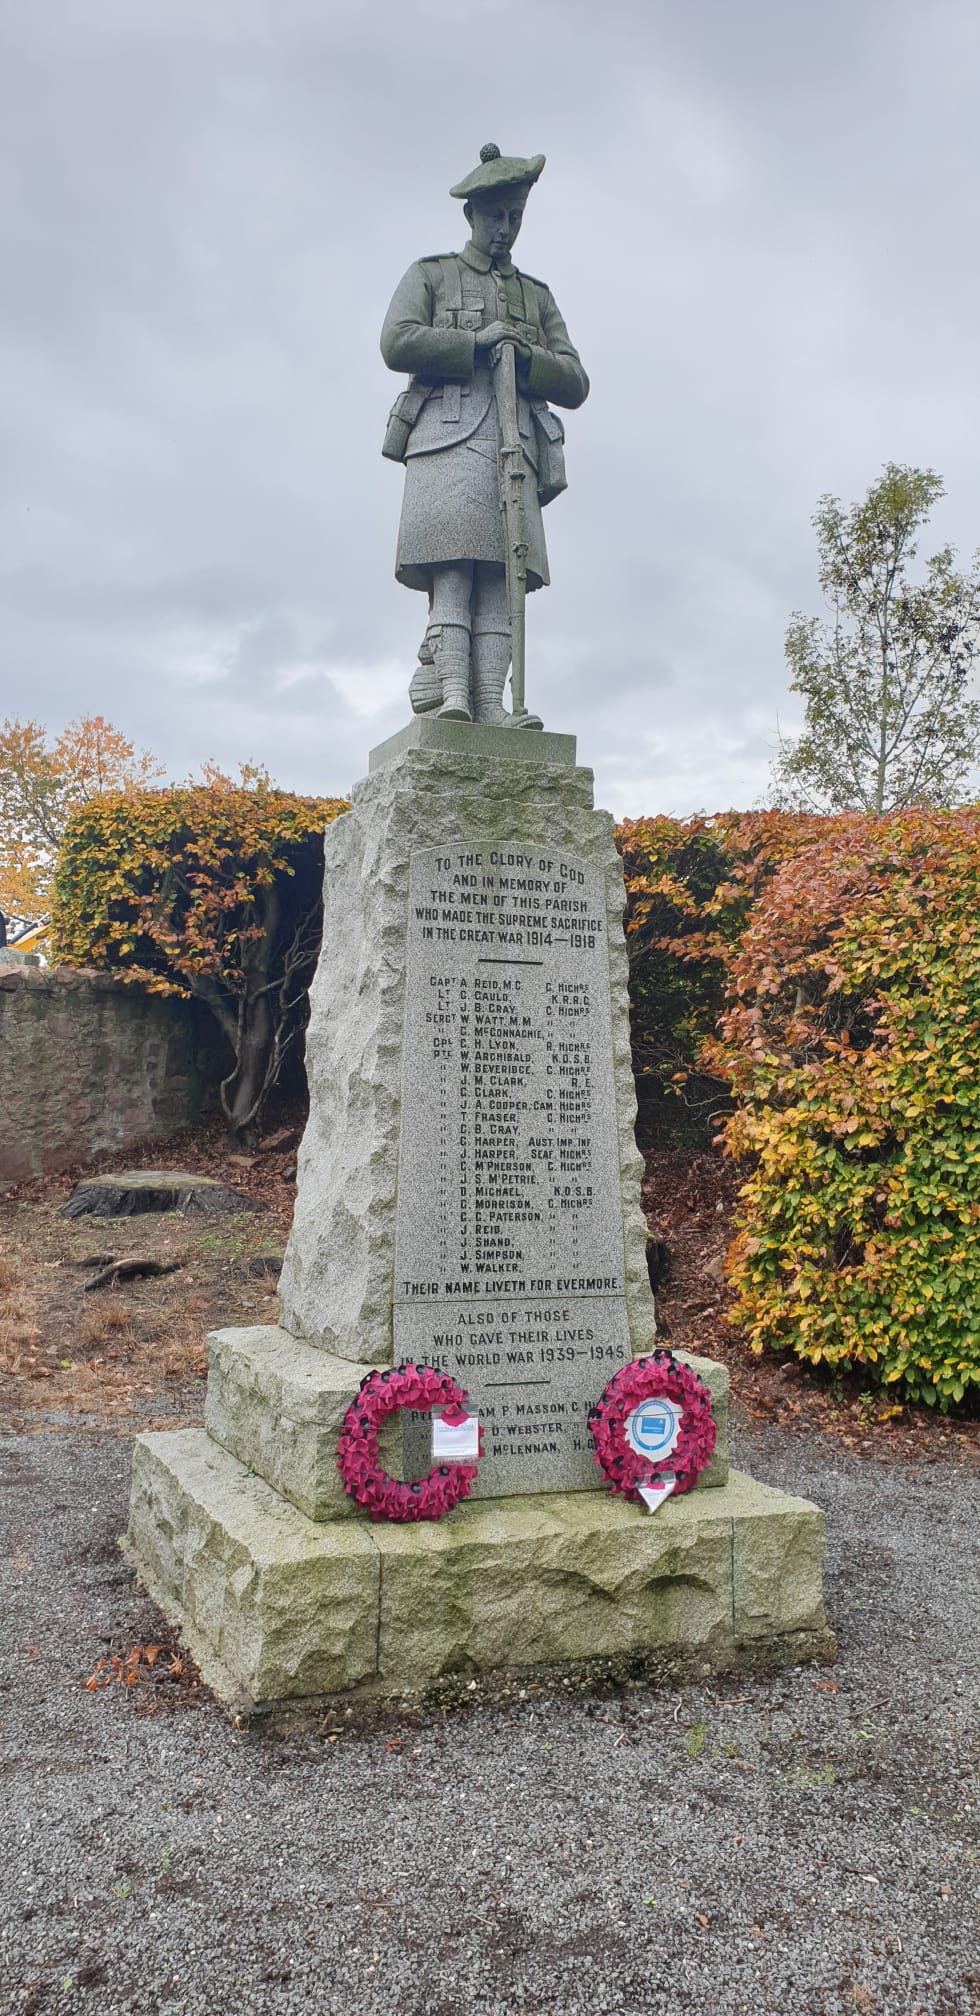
[(244, 1090)]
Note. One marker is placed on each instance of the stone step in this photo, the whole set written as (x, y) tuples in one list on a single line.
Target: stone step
[(278, 1608), (462, 738), (277, 1404)]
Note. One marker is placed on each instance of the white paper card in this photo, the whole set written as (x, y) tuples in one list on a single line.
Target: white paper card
[(653, 1429), (455, 1444), (655, 1493)]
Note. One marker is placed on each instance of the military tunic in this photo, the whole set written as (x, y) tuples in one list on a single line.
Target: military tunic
[(451, 508)]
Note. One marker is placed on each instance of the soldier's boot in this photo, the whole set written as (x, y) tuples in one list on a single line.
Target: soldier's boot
[(491, 648), (425, 691), (453, 668), (491, 657)]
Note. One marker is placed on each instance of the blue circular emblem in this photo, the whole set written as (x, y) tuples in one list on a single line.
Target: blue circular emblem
[(653, 1428)]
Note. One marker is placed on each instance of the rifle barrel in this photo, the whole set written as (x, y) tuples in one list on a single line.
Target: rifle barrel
[(512, 476)]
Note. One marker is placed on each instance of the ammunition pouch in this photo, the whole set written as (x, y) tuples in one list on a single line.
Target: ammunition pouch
[(401, 420), (550, 438)]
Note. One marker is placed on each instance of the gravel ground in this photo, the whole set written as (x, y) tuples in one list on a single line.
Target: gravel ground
[(802, 1844)]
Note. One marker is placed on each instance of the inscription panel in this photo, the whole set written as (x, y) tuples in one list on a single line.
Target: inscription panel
[(532, 1371), (509, 1244)]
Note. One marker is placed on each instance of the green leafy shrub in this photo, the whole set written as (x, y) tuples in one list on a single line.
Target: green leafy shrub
[(852, 1043)]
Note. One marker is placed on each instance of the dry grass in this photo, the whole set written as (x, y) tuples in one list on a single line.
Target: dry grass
[(20, 1339), (109, 1323), (20, 1331), (116, 1357)]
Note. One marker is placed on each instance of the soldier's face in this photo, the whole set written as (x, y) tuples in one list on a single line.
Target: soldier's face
[(496, 220)]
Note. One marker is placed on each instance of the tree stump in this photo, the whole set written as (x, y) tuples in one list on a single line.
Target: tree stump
[(133, 1191)]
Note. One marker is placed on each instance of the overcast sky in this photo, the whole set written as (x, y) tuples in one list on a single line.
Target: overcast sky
[(760, 223)]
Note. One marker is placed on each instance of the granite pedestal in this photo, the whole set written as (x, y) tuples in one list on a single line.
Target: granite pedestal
[(468, 1196)]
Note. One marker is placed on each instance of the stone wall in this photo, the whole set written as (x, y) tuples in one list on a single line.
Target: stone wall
[(89, 1064)]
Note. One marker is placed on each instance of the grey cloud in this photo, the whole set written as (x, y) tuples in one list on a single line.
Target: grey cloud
[(755, 221)]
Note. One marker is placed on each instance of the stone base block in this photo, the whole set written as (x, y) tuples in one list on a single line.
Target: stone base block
[(279, 1609), (269, 1602), (277, 1404)]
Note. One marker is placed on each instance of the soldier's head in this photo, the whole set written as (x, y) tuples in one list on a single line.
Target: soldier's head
[(494, 196), (495, 217)]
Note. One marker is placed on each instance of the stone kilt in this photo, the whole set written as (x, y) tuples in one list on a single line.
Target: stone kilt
[(451, 507)]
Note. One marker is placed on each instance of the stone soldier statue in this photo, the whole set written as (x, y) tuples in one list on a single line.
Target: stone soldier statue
[(447, 325)]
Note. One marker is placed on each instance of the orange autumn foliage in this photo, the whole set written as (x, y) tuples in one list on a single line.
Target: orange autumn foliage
[(839, 959), (213, 890), (41, 783)]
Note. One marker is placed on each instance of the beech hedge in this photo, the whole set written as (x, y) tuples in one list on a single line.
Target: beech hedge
[(845, 954), (211, 889)]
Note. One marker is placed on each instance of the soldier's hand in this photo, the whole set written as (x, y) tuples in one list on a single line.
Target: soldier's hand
[(500, 332)]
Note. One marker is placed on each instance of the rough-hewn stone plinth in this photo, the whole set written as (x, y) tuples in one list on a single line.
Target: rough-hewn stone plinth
[(278, 1608), (490, 806)]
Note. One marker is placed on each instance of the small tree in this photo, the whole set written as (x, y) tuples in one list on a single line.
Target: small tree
[(889, 721), (213, 890), (42, 782)]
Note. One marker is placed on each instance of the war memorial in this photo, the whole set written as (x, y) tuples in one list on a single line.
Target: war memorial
[(461, 1450)]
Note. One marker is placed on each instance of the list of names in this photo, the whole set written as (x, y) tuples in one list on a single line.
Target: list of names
[(509, 1247)]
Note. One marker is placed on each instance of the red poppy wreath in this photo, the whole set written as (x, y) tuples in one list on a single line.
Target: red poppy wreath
[(365, 1480), (654, 1420)]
